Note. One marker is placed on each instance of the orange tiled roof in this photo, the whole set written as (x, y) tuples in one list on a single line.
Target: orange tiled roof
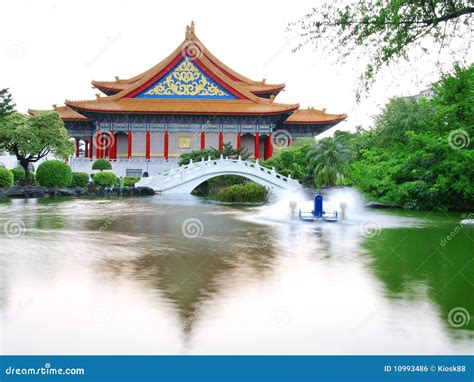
[(184, 106), (256, 87), (64, 112), (123, 102), (314, 116)]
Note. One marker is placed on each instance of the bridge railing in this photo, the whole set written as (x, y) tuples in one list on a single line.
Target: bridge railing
[(192, 168)]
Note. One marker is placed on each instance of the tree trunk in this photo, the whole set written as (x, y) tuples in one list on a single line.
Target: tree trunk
[(24, 164)]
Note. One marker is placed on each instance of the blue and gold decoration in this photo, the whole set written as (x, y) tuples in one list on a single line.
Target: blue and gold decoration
[(186, 80)]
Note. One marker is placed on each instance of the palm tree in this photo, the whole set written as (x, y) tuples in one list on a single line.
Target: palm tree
[(330, 159)]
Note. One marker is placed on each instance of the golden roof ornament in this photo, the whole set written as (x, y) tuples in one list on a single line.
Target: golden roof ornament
[(116, 78), (97, 95)]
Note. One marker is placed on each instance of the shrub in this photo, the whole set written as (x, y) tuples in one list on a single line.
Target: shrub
[(129, 181), (105, 179), (101, 164), (54, 173), (18, 174), (6, 178), (247, 192), (80, 179)]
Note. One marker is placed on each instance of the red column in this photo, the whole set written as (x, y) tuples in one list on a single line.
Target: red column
[(165, 136), (77, 148), (257, 146), (221, 140), (86, 148), (98, 145), (129, 148), (91, 144), (113, 145), (147, 144), (268, 147), (238, 140), (203, 140)]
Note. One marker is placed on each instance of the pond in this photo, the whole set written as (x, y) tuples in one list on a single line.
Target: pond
[(178, 275)]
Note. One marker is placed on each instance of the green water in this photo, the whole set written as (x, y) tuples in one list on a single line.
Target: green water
[(164, 275)]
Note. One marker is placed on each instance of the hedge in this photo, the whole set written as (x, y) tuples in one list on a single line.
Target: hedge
[(129, 181), (80, 179), (6, 178), (102, 164), (54, 173), (105, 179), (242, 193), (18, 174)]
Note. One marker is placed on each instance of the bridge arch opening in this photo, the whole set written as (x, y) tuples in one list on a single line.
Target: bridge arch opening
[(215, 184)]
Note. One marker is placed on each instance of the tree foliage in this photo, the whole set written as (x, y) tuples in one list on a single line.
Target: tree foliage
[(7, 105), (228, 151), (105, 179), (420, 154), (101, 164), (330, 159), (31, 138), (6, 178), (54, 173), (385, 30)]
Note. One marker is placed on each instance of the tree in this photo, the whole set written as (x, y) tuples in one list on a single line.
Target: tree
[(7, 105), (227, 152), (31, 138), (419, 156), (330, 159), (385, 30)]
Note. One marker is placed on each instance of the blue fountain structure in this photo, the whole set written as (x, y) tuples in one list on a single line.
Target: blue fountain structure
[(318, 212)]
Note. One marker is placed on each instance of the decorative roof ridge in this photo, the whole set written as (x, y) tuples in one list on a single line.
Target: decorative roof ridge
[(190, 37), (183, 51)]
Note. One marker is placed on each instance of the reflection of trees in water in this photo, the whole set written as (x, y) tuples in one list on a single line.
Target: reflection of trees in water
[(190, 272), (408, 260)]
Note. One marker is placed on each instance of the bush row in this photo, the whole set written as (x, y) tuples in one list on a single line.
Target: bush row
[(239, 193), (56, 173)]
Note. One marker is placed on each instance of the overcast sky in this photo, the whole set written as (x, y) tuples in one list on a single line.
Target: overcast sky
[(51, 50)]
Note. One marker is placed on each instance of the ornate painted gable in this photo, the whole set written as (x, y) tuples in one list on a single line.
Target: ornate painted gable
[(186, 80)]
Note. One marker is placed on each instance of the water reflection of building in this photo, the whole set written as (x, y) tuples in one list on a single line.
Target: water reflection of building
[(191, 100), (190, 272)]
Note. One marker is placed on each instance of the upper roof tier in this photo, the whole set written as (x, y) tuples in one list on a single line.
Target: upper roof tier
[(194, 46), (186, 82), (312, 116)]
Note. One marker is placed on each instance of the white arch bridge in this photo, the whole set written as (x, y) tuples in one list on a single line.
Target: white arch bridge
[(184, 179)]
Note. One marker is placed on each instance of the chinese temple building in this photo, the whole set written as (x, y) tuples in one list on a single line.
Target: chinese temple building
[(189, 101)]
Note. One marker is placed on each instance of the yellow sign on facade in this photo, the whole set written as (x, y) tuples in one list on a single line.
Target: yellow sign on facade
[(184, 142)]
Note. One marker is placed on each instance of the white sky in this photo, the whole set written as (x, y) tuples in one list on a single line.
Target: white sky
[(51, 50)]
